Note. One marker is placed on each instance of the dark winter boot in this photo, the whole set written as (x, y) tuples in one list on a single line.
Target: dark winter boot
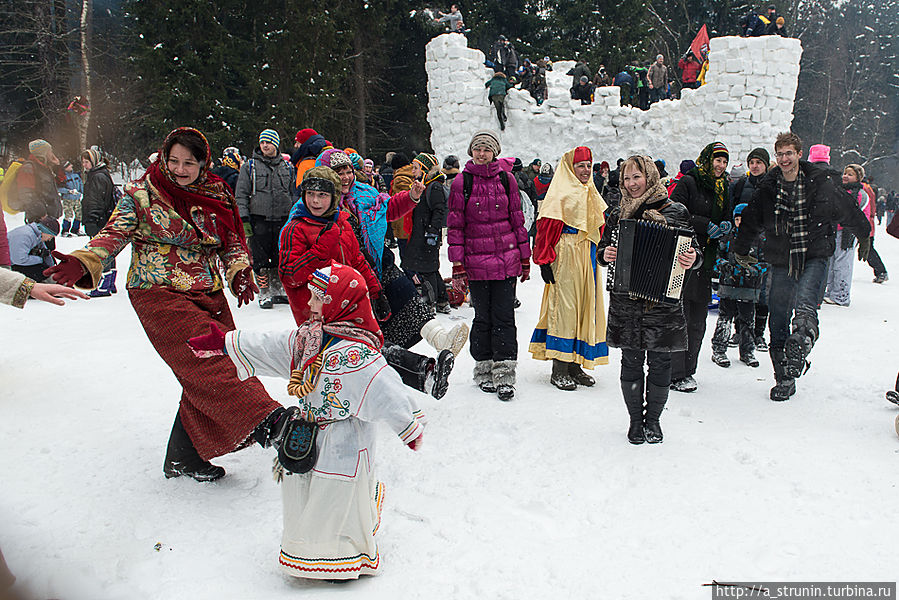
[(656, 397), (437, 379), (747, 346), (504, 378), (271, 431), (761, 319), (279, 296), (720, 342), (66, 226), (560, 376), (181, 458), (580, 378), (633, 400), (483, 376), (799, 345), (418, 371), (76, 228), (785, 385), (112, 275)]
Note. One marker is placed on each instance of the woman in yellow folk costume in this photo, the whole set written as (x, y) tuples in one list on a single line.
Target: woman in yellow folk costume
[(572, 327)]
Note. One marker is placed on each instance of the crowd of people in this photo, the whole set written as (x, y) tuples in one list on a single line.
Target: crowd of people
[(316, 228)]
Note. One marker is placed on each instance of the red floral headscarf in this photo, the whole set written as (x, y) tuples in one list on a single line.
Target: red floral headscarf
[(209, 191)]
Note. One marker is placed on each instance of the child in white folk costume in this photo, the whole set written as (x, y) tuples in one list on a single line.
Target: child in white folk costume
[(343, 383)]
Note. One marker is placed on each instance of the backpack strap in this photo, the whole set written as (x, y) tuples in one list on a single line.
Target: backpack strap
[(468, 184)]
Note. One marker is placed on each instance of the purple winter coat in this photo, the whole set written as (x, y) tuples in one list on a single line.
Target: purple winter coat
[(488, 236)]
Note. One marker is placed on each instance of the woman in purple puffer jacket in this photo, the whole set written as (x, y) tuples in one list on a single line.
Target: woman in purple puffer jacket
[(488, 246)]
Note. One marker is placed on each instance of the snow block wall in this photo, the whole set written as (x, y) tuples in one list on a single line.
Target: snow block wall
[(746, 102)]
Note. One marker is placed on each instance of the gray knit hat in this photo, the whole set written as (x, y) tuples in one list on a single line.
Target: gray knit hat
[(487, 138)]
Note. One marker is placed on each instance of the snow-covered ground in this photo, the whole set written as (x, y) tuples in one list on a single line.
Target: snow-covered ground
[(538, 498)]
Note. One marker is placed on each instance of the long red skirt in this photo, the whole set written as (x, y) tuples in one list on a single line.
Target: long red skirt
[(219, 412)]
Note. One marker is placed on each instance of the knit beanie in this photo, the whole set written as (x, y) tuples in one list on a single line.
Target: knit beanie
[(426, 162), (819, 153), (368, 162), (338, 159), (485, 138), (40, 148), (760, 154), (303, 135), (48, 225), (738, 209), (93, 156), (719, 149), (356, 159), (318, 282), (582, 153), (451, 162), (546, 169), (686, 166), (271, 136)]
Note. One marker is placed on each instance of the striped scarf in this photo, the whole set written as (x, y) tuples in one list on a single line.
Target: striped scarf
[(791, 218)]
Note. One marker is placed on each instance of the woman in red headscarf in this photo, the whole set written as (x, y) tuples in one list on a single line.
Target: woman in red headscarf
[(342, 383), (572, 327), (182, 223)]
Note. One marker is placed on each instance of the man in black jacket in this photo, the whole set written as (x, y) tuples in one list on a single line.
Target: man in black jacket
[(798, 207), (97, 204)]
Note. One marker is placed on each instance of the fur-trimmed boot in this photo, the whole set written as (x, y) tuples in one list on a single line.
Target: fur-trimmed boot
[(561, 377), (483, 376), (181, 458), (442, 339), (656, 397), (504, 378), (633, 400)]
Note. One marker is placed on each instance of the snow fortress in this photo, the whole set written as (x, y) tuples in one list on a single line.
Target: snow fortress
[(746, 102)]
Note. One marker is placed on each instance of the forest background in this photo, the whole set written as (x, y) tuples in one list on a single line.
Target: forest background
[(355, 70)]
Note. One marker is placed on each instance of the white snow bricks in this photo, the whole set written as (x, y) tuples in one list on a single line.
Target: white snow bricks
[(746, 102)]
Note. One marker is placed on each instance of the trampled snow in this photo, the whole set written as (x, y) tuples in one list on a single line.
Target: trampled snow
[(542, 497)]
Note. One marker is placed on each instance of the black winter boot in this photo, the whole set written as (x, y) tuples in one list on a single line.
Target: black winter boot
[(580, 378), (747, 346), (181, 458), (560, 377), (656, 397), (633, 400), (720, 341), (785, 385), (799, 344), (417, 371), (437, 379), (761, 319)]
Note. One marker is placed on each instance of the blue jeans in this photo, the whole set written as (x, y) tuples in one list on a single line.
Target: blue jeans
[(788, 294)]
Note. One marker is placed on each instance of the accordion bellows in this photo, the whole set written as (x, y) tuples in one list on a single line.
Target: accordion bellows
[(646, 267)]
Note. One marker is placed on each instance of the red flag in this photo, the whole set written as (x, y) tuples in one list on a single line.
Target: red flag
[(700, 45)]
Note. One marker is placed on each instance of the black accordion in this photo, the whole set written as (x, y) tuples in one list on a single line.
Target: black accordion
[(646, 266)]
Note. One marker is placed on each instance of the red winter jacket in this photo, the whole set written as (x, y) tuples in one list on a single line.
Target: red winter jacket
[(298, 259), (690, 70)]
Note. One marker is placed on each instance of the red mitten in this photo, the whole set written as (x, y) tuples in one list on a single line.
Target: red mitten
[(525, 269), (210, 344), (244, 286), (460, 279), (416, 443), (68, 272)]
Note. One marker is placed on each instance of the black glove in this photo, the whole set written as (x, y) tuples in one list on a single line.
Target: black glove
[(39, 251), (381, 308), (864, 248), (546, 272)]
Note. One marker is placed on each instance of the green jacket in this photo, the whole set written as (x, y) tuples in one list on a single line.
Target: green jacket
[(498, 85)]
